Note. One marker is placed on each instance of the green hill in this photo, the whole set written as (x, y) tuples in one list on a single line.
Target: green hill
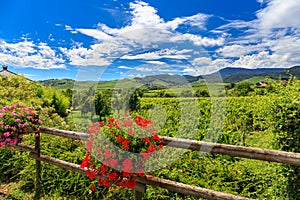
[(229, 75), (275, 74), (59, 83)]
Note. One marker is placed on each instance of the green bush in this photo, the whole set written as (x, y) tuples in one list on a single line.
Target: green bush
[(286, 122)]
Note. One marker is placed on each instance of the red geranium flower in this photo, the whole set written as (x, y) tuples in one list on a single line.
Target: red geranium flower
[(136, 135), (93, 188), (147, 140), (127, 166), (146, 155), (119, 139), (85, 161), (155, 137), (126, 174), (92, 174), (89, 145), (110, 125), (128, 123), (113, 163), (107, 154), (150, 149), (126, 144), (103, 169), (131, 132), (113, 176), (111, 120), (101, 123), (106, 183), (88, 173), (131, 183)]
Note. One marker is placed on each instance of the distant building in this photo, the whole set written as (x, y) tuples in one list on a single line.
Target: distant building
[(6, 72), (284, 80), (262, 84)]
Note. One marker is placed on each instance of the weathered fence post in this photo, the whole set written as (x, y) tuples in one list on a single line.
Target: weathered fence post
[(37, 195), (138, 195), (139, 189)]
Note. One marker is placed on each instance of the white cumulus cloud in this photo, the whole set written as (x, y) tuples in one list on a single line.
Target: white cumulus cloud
[(279, 14), (145, 29), (28, 54)]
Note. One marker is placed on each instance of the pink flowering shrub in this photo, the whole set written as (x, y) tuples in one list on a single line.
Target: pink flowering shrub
[(15, 121)]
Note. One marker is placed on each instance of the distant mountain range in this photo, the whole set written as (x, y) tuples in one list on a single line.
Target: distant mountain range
[(231, 71), (232, 75), (229, 75)]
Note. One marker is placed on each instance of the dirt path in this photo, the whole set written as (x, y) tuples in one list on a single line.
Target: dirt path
[(6, 190)]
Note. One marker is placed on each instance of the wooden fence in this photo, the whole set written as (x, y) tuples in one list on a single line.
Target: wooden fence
[(231, 150)]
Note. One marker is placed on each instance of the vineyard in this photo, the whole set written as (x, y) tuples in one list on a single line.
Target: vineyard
[(268, 119)]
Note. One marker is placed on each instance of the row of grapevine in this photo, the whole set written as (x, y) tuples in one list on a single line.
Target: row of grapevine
[(245, 121)]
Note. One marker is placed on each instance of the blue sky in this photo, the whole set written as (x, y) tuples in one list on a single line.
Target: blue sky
[(120, 39)]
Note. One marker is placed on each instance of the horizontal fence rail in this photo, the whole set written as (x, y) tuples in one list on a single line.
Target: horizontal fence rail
[(149, 180), (215, 148), (231, 150), (235, 151)]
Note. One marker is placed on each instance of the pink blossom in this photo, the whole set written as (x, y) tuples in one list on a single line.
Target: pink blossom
[(5, 108), (6, 134), (14, 114), (14, 141), (36, 135)]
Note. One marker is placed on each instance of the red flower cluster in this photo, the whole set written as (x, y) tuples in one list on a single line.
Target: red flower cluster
[(142, 122), (118, 149)]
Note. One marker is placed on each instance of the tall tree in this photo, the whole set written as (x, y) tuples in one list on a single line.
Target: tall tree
[(102, 102)]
